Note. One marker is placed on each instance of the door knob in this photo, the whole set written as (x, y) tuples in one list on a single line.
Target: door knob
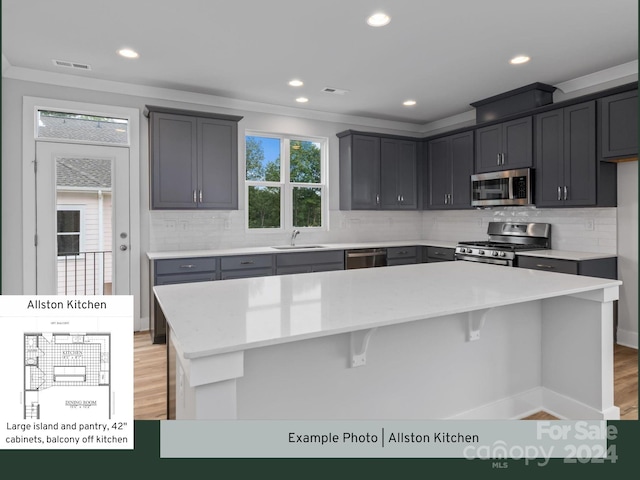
[(123, 247)]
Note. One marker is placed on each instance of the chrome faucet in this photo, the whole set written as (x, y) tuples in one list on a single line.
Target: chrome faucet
[(294, 234)]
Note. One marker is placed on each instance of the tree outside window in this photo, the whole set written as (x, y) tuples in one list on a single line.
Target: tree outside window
[(289, 193)]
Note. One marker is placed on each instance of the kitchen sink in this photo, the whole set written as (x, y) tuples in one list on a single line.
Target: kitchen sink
[(296, 247)]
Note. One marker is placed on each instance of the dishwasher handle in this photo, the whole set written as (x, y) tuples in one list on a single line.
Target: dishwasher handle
[(365, 254)]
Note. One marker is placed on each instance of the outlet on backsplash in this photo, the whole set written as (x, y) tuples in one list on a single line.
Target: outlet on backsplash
[(589, 224), (170, 225)]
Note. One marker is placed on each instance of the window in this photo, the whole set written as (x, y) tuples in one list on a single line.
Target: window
[(285, 182), (86, 128), (68, 232)]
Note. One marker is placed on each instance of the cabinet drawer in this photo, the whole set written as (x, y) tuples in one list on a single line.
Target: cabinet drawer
[(185, 278), (246, 262), (185, 265), (402, 252), (247, 273), (548, 264), (401, 261), (440, 254), (309, 258)]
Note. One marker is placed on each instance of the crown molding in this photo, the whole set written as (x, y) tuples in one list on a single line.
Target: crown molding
[(123, 88), (5, 64), (600, 77)]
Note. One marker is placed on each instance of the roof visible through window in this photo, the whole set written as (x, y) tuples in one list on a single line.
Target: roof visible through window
[(70, 126)]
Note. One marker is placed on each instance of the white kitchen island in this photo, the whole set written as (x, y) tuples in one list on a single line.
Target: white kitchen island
[(429, 341)]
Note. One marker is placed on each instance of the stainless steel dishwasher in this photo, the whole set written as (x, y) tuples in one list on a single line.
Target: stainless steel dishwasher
[(365, 258)]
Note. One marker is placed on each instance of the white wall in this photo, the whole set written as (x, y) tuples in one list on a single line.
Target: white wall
[(628, 253)]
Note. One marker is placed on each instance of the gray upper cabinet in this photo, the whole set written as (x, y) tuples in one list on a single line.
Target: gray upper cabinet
[(449, 169), (377, 172), (619, 125), (194, 159), (504, 146), (566, 169), (398, 187), (359, 172)]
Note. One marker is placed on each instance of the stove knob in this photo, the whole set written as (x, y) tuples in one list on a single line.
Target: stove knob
[(480, 252), (503, 254), (495, 254)]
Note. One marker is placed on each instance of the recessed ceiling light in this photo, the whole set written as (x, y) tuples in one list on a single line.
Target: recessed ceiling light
[(296, 83), (519, 59), (302, 99), (378, 19), (128, 53), (409, 103)]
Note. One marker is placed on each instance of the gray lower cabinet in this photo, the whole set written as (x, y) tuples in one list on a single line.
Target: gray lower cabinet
[(439, 254), (600, 267), (567, 171), (449, 170), (172, 271), (504, 146), (403, 255), (619, 126), (308, 262), (246, 266), (194, 159)]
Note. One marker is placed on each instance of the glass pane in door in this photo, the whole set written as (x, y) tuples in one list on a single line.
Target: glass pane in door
[(84, 231)]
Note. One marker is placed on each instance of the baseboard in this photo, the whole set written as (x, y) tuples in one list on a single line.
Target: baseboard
[(627, 338), (564, 407), (535, 400), (515, 407)]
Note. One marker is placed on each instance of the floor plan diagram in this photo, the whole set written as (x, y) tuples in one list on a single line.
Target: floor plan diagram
[(67, 374)]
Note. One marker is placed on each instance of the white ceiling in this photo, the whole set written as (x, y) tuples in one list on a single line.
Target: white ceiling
[(444, 54)]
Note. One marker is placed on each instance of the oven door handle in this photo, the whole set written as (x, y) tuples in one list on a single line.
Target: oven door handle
[(495, 261)]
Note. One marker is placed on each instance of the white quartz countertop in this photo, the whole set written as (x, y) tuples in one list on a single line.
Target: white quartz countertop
[(565, 255), (270, 249), (210, 318)]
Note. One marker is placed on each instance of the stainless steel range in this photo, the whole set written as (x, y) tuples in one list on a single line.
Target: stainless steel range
[(505, 239)]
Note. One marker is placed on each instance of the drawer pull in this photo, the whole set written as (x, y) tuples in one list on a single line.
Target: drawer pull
[(403, 252), (438, 253), (187, 266), (542, 265), (247, 262)]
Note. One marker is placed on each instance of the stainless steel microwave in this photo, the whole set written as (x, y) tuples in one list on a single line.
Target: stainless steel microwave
[(508, 187)]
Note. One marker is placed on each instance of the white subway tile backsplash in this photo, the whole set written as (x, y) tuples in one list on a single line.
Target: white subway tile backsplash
[(178, 230), (569, 226)]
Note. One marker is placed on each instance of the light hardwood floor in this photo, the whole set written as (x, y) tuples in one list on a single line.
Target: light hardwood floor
[(150, 391)]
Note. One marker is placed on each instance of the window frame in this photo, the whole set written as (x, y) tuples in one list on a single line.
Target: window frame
[(81, 233), (286, 185)]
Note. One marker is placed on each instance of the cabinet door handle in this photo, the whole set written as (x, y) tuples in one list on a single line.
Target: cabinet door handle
[(450, 199), (445, 198), (502, 159), (401, 198), (194, 197), (377, 199), (498, 162), (398, 198), (559, 193), (200, 195), (247, 262), (565, 192), (187, 266)]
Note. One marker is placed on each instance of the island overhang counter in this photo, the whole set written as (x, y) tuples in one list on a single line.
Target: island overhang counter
[(426, 341)]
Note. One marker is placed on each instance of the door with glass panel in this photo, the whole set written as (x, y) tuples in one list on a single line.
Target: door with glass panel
[(82, 219)]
